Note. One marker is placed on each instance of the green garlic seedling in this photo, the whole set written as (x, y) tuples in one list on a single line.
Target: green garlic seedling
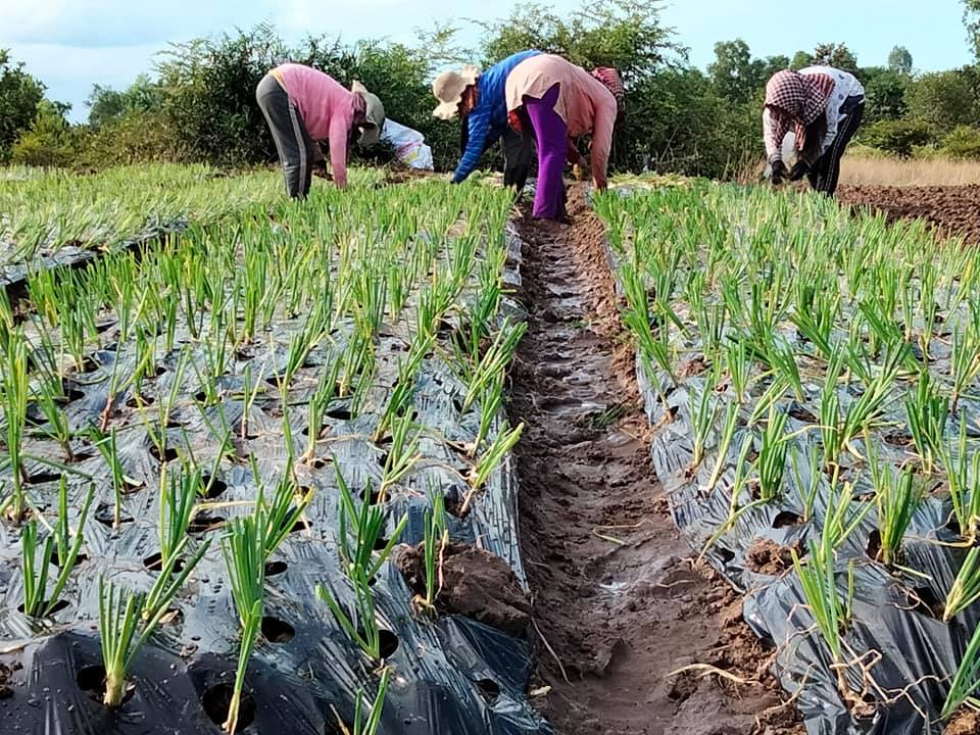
[(362, 626), (966, 681), (360, 529)]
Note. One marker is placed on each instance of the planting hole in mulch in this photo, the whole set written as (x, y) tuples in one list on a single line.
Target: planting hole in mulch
[(300, 526), (897, 439), (58, 607), (204, 523), (727, 555), (169, 454), (88, 366), (924, 600), (489, 690), (801, 414), (105, 514), (91, 680), (216, 701), (154, 563), (213, 487), (389, 642), (277, 631), (786, 519), (79, 559), (71, 394), (43, 477), (338, 414), (137, 401), (375, 494), (874, 545)]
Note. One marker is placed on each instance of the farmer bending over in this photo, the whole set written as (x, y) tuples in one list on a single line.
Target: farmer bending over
[(302, 105), (562, 101), (824, 106), (479, 99)]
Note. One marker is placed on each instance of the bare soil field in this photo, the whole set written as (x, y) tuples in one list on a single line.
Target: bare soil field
[(950, 210)]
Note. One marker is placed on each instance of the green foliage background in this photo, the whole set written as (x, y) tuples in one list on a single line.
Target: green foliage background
[(199, 104)]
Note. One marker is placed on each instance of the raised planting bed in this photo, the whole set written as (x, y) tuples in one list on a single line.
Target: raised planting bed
[(58, 218), (218, 447), (811, 375)]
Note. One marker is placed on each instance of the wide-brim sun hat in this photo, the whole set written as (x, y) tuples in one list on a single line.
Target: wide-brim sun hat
[(448, 88), (374, 114)]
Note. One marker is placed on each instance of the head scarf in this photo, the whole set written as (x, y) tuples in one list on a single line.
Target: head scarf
[(802, 97), (612, 81)]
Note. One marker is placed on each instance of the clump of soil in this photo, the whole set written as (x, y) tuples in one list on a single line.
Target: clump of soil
[(6, 678), (475, 583), (965, 722), (406, 175), (765, 556)]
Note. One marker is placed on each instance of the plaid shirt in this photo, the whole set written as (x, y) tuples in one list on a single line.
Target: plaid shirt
[(801, 99)]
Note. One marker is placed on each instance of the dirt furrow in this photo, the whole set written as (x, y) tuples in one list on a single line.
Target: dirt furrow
[(620, 602)]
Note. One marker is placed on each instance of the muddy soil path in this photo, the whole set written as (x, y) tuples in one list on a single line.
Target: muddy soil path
[(619, 602)]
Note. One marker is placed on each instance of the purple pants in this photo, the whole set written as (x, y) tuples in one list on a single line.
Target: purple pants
[(552, 137)]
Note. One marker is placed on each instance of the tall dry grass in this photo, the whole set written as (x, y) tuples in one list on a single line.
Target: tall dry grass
[(858, 170)]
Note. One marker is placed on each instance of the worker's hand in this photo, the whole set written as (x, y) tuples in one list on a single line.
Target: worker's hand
[(577, 172), (800, 169), (778, 175)]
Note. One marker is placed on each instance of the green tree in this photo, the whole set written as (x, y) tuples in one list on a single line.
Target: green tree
[(208, 87), (943, 100), (772, 64), (106, 104), (900, 60), (20, 95), (971, 19), (801, 60), (899, 137), (625, 34), (49, 141), (734, 74), (885, 90), (836, 55)]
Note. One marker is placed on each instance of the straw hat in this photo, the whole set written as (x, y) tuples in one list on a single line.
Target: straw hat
[(448, 89), (374, 112)]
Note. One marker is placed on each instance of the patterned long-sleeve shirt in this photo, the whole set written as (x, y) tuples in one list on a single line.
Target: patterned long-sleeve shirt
[(488, 119), (821, 90)]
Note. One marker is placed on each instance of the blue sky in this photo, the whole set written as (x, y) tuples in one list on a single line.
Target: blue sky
[(71, 44)]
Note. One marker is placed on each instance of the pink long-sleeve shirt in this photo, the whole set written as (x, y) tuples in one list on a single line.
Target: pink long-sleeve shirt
[(326, 107), (584, 103)]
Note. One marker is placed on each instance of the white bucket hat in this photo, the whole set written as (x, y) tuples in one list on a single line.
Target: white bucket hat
[(448, 88), (374, 113)]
